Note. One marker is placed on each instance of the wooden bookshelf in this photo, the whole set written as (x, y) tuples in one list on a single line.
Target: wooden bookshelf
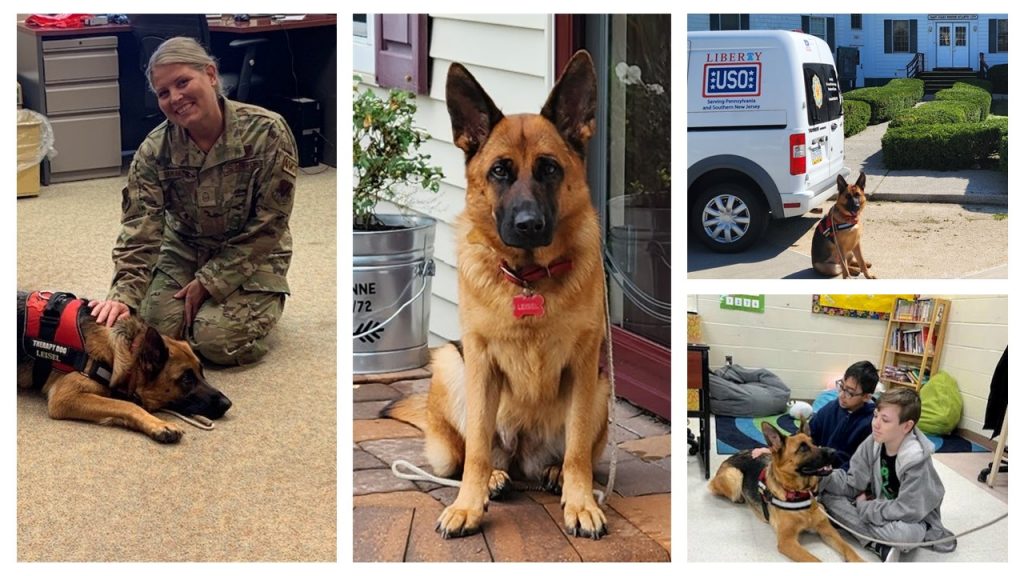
[(913, 342)]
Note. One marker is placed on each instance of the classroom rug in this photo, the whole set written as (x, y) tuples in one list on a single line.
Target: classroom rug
[(735, 434)]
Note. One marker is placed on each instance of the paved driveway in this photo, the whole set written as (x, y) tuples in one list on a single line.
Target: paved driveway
[(918, 224)]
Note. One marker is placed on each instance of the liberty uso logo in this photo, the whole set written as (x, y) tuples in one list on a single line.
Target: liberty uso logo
[(732, 74)]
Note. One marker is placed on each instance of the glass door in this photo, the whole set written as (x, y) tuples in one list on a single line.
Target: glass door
[(944, 52), (961, 53), (631, 182)]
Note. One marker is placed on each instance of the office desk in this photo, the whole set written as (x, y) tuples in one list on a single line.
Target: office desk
[(300, 61), (72, 77), (263, 25), (106, 29), (697, 379)]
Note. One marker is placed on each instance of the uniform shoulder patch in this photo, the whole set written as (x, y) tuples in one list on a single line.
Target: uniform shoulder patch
[(289, 165)]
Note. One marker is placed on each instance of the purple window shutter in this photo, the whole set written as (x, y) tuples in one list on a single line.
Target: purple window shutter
[(402, 51)]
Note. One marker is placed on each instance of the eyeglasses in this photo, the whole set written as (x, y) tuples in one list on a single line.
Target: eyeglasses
[(846, 391)]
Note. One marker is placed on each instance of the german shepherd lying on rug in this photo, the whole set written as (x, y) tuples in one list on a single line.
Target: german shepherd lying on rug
[(780, 490), (113, 376), (522, 392)]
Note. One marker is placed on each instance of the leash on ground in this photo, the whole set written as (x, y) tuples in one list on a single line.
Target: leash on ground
[(601, 495), (418, 474), (201, 422), (905, 545)]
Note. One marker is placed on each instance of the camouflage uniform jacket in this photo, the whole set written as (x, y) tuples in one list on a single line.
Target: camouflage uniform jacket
[(220, 216)]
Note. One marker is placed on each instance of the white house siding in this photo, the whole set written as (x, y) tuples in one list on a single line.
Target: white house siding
[(510, 55), (810, 351)]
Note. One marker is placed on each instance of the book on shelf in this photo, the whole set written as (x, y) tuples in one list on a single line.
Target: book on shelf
[(914, 310)]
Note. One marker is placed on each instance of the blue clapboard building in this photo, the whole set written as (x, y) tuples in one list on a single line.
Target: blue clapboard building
[(871, 49)]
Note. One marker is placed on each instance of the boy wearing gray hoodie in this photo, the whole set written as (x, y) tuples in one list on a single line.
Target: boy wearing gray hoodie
[(891, 491)]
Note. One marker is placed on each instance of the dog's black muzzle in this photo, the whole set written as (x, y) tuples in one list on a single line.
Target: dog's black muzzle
[(525, 225), (852, 204), (204, 400), (820, 464)]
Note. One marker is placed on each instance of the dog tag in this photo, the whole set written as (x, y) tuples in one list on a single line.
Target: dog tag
[(527, 305)]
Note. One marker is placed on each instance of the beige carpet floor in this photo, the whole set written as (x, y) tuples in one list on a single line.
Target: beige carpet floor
[(261, 487)]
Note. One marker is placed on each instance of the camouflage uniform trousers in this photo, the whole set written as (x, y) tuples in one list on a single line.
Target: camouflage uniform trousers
[(232, 332)]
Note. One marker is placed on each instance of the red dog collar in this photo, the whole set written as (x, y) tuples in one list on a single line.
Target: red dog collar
[(525, 275)]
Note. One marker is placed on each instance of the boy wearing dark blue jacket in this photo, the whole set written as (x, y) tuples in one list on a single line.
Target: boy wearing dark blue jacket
[(844, 423)]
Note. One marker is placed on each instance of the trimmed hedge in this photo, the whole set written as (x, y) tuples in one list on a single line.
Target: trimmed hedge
[(888, 101), (1001, 122), (913, 87), (939, 146), (1004, 163), (857, 114), (946, 112), (983, 84), (998, 74), (967, 93)]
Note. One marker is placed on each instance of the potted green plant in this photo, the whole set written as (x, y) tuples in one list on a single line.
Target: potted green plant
[(392, 253)]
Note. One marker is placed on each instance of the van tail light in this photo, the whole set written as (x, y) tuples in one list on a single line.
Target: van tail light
[(797, 154)]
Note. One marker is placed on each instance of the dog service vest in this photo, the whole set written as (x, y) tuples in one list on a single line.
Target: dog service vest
[(52, 336)]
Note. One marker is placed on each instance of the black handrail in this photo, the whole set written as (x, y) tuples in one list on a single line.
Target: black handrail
[(916, 65)]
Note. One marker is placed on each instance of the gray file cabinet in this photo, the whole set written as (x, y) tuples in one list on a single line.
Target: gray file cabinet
[(74, 82)]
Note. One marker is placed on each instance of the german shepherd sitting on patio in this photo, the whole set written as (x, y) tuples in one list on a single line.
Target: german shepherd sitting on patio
[(522, 393), (835, 246), (780, 490), (113, 376)]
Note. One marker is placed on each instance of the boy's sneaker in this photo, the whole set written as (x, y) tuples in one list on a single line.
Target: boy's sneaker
[(884, 552)]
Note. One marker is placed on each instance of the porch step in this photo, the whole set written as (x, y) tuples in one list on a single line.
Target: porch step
[(939, 79)]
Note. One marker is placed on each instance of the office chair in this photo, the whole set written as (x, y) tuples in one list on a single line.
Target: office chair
[(150, 30)]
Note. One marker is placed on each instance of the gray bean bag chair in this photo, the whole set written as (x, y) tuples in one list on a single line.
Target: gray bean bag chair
[(747, 392)]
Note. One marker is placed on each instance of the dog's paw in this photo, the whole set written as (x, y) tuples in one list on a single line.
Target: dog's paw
[(498, 484), (583, 517), (552, 478), (456, 522), (167, 433)]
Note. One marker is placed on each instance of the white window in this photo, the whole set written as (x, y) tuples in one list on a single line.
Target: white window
[(363, 38), (816, 27)]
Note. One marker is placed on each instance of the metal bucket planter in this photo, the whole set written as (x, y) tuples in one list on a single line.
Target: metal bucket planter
[(392, 273)]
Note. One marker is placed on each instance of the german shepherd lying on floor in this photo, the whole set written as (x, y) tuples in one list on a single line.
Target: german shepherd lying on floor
[(835, 245), (780, 490), (113, 376), (522, 392)]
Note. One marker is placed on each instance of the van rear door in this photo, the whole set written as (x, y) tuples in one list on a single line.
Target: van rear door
[(825, 152)]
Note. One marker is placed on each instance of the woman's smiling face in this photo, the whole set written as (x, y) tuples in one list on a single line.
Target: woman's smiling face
[(188, 97)]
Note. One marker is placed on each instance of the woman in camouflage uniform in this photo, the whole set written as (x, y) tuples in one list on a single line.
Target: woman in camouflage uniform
[(204, 247)]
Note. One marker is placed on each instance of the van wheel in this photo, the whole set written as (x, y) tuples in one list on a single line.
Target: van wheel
[(728, 217)]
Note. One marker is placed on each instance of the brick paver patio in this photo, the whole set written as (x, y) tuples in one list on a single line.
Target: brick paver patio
[(394, 518)]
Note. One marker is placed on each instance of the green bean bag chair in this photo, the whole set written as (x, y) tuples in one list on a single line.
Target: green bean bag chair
[(941, 405)]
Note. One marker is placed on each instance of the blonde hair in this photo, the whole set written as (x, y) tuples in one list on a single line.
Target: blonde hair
[(182, 50)]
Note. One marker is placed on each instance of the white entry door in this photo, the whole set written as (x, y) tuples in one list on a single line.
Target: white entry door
[(944, 49), (961, 46)]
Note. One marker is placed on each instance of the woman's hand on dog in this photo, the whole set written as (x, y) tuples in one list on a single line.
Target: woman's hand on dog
[(108, 311), (194, 294)]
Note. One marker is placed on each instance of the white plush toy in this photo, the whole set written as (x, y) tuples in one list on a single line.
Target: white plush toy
[(800, 410)]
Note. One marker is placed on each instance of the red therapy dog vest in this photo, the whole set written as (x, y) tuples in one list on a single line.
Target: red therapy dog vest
[(51, 330)]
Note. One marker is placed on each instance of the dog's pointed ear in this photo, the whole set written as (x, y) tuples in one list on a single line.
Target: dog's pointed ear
[(841, 183), (805, 426), (862, 180), (472, 111), (572, 104), (153, 355), (772, 436)]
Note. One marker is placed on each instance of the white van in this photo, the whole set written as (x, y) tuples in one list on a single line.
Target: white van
[(765, 131)]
